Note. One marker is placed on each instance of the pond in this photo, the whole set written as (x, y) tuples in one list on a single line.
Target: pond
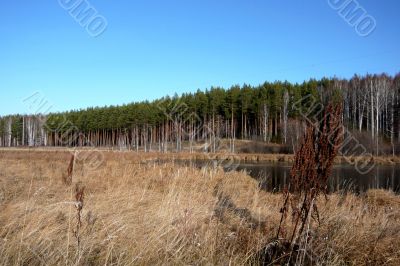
[(274, 177)]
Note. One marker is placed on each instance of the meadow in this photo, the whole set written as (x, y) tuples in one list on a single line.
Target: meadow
[(133, 210)]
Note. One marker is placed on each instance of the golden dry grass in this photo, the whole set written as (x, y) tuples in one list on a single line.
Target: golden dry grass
[(162, 213), (221, 156)]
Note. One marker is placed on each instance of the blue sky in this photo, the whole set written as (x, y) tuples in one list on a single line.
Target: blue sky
[(153, 48)]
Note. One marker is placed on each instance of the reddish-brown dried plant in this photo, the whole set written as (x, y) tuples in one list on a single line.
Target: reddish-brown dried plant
[(310, 173), (67, 179)]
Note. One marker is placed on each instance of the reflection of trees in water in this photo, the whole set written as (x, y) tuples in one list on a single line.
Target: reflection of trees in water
[(274, 178), (347, 179)]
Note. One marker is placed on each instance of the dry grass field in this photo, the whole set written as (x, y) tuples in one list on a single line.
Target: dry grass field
[(138, 212)]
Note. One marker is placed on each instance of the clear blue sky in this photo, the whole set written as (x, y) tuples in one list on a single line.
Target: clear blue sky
[(155, 48)]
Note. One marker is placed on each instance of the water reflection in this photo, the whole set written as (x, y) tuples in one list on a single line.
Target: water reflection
[(275, 176)]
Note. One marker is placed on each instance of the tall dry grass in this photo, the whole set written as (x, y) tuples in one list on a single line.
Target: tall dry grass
[(149, 213)]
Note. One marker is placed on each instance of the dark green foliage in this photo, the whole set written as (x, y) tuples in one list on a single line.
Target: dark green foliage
[(244, 112)]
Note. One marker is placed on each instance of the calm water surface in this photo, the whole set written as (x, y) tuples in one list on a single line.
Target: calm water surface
[(275, 176)]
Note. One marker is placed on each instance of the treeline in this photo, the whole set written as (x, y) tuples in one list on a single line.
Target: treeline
[(271, 113)]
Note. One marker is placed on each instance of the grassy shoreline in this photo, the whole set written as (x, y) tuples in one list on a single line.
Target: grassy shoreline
[(163, 213), (237, 157)]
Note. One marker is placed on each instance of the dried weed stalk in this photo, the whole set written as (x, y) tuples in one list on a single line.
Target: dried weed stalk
[(79, 197), (309, 176), (67, 179)]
